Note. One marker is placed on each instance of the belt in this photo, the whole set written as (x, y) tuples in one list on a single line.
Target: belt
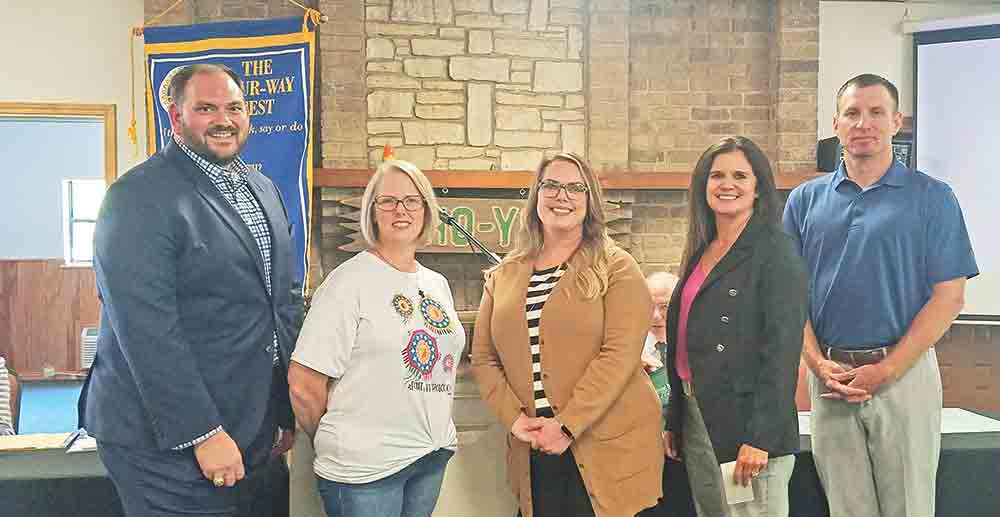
[(858, 357), (687, 388)]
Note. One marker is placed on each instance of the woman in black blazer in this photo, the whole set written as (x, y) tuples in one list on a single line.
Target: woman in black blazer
[(735, 325)]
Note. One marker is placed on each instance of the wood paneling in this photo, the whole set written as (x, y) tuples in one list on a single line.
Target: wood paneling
[(45, 305)]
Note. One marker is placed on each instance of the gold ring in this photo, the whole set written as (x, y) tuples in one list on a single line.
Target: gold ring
[(219, 482)]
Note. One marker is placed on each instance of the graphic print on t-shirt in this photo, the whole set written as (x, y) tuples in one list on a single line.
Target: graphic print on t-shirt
[(420, 355), (434, 315), (403, 306), (421, 352)]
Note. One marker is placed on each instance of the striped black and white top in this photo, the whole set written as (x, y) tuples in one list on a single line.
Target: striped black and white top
[(541, 285)]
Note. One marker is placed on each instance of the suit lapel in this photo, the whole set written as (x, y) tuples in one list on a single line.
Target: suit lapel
[(208, 191), (566, 281), (742, 250)]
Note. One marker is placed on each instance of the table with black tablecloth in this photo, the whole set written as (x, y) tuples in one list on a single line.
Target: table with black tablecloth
[(39, 479), (967, 483)]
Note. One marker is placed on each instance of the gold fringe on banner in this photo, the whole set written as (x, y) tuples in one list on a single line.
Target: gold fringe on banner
[(310, 15)]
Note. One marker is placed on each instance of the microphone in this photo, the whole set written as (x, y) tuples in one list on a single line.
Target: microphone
[(444, 215), (473, 242)]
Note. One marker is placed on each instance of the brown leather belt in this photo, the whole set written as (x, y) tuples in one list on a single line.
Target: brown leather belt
[(857, 357)]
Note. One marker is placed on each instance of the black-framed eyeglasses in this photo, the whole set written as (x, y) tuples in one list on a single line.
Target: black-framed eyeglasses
[(389, 203), (574, 189)]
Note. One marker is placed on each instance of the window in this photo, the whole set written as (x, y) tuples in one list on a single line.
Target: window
[(81, 202)]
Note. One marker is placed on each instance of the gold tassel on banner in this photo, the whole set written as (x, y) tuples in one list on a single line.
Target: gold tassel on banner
[(312, 15)]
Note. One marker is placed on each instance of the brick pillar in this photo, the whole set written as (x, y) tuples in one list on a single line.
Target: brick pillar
[(701, 69), (342, 93), (796, 53), (183, 14), (608, 81)]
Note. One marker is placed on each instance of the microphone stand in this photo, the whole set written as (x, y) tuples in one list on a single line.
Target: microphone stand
[(450, 221)]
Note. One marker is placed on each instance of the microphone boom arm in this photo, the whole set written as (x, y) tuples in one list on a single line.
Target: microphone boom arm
[(450, 221)]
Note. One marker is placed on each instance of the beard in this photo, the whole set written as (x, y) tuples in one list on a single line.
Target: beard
[(199, 144)]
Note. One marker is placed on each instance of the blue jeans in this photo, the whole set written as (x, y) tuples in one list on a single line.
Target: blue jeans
[(411, 492)]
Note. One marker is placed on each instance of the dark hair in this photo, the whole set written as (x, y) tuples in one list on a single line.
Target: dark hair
[(178, 83), (866, 80), (701, 218)]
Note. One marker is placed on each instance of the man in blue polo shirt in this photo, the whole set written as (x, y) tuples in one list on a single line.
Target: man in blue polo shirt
[(889, 256)]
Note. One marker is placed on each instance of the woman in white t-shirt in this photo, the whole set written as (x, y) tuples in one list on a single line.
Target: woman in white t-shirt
[(373, 373)]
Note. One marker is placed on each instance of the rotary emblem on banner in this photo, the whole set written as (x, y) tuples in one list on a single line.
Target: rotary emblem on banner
[(164, 93), (421, 354), (435, 316), (403, 306)]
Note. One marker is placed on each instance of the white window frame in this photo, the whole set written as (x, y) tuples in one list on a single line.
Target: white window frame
[(69, 219)]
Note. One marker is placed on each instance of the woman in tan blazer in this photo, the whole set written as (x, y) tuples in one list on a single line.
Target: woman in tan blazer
[(556, 354)]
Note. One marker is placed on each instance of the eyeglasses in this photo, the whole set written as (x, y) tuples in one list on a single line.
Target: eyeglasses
[(389, 203), (551, 188)]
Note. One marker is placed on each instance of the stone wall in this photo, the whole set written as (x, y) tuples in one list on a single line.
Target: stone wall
[(634, 85), (474, 84)]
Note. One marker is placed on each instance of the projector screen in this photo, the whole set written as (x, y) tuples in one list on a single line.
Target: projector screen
[(957, 139)]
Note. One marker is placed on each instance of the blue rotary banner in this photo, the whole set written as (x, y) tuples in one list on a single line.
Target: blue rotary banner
[(275, 59)]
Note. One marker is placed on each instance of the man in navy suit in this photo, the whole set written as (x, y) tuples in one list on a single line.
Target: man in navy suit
[(188, 393)]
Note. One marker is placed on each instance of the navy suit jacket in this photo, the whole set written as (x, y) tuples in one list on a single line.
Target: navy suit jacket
[(185, 341)]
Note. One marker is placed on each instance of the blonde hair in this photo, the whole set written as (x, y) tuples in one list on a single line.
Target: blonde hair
[(369, 230), (590, 261)]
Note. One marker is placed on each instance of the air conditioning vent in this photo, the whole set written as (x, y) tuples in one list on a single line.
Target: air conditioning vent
[(88, 347)]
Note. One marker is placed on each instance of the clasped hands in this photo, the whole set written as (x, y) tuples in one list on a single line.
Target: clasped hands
[(856, 385), (542, 433)]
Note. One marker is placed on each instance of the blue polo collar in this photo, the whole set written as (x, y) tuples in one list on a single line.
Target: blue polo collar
[(898, 175)]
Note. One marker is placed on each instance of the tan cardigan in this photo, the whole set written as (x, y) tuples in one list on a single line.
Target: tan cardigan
[(592, 374)]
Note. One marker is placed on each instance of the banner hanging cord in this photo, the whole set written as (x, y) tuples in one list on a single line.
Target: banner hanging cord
[(311, 15)]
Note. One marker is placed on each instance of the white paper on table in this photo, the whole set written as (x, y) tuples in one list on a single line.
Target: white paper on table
[(84, 444), (735, 492), (804, 423), (957, 420), (953, 420)]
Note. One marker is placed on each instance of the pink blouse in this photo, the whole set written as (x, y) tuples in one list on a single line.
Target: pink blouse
[(691, 287)]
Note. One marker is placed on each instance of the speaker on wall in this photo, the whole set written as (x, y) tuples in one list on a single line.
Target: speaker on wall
[(828, 154)]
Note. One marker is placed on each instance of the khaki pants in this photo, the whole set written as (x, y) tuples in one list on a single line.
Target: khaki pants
[(879, 458), (770, 487)]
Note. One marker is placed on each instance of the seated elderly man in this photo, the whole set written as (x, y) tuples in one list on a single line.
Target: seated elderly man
[(661, 286), (677, 501)]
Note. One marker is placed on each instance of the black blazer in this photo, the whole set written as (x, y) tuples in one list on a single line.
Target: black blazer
[(185, 342), (744, 340)]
